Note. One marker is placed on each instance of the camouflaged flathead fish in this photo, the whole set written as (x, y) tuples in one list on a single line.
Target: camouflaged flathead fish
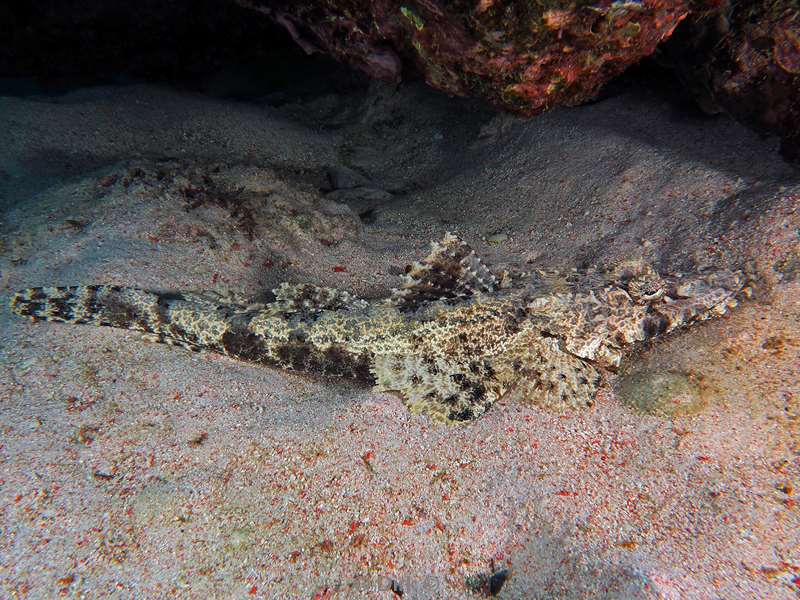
[(452, 339)]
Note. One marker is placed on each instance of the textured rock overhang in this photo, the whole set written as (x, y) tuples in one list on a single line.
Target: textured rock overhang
[(532, 55)]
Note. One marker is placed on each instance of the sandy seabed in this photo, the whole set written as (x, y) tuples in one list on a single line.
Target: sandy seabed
[(134, 470)]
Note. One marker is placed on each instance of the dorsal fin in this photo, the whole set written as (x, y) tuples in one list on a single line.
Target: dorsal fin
[(307, 297), (451, 270)]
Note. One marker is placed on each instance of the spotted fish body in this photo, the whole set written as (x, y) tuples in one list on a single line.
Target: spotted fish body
[(451, 339)]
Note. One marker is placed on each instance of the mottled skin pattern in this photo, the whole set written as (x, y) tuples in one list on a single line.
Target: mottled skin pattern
[(452, 339)]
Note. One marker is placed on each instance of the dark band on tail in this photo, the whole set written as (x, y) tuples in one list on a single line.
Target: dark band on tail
[(72, 304), (108, 305)]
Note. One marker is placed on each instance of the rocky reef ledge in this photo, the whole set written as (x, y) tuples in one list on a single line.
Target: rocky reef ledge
[(742, 58)]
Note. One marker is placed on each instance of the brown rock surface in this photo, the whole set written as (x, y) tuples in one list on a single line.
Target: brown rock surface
[(521, 56), (745, 61), (527, 57)]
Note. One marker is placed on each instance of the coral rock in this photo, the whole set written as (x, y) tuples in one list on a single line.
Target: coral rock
[(526, 57), (521, 56)]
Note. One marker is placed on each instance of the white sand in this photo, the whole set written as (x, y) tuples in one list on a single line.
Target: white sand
[(131, 469)]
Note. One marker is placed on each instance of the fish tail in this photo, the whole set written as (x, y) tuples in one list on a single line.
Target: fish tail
[(107, 305)]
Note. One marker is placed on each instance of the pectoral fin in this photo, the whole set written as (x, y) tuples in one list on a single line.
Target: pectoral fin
[(540, 372), (444, 391)]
